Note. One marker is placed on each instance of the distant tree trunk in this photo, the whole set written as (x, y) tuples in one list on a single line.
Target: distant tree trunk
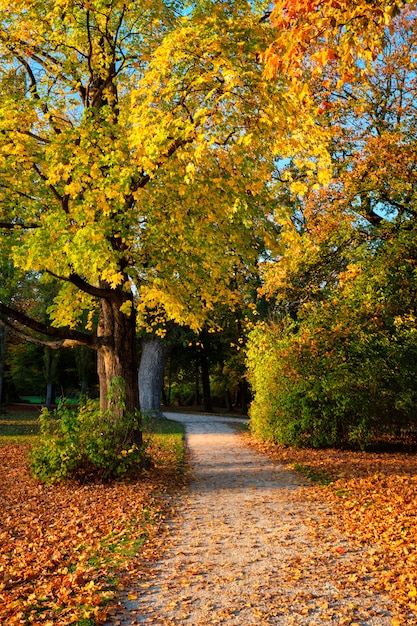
[(50, 359), (2, 352), (151, 375), (84, 360), (197, 384), (228, 400), (48, 397), (244, 396), (205, 380), (166, 391)]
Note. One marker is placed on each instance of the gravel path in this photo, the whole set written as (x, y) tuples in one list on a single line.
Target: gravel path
[(247, 548)]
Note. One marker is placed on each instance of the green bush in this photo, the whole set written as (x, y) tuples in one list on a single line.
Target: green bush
[(86, 444), (336, 363), (332, 380)]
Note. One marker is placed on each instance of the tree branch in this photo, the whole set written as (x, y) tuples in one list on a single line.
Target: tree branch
[(51, 187), (173, 147), (53, 345), (107, 294), (80, 283), (12, 226), (63, 337)]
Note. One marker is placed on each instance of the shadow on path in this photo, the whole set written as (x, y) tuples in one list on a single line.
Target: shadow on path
[(248, 548)]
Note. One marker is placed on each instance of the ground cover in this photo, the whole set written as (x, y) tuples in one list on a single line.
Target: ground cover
[(373, 495), (65, 549)]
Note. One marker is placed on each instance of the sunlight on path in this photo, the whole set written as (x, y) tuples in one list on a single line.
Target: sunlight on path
[(246, 549)]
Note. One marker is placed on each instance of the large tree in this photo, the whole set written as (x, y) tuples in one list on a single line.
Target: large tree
[(135, 163)]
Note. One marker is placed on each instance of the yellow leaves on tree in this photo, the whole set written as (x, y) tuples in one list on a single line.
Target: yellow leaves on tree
[(120, 139)]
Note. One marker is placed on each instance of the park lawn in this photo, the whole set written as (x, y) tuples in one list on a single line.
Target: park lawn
[(66, 548), (19, 426), (373, 497)]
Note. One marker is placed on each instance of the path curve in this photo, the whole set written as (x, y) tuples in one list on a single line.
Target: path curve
[(246, 549)]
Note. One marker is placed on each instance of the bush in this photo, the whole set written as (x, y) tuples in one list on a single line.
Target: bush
[(331, 381), (86, 444)]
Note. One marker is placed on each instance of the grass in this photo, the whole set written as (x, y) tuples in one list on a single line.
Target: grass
[(317, 476), (18, 426), (165, 441)]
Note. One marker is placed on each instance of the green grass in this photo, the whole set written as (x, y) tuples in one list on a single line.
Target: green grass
[(18, 426), (162, 434), (316, 476), (165, 439), (41, 400), (162, 426)]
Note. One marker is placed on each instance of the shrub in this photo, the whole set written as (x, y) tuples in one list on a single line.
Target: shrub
[(86, 444), (331, 380)]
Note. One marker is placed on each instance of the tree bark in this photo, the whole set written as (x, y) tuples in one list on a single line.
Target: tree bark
[(205, 380), (151, 375), (243, 396), (49, 367), (228, 400), (197, 397), (2, 352), (117, 357)]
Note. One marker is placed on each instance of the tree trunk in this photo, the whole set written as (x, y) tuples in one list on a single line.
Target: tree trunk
[(84, 361), (197, 384), (205, 380), (2, 352), (48, 398), (151, 375), (243, 393), (228, 400), (117, 358), (50, 360)]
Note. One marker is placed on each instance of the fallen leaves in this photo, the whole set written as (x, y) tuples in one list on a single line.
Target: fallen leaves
[(65, 548), (373, 496)]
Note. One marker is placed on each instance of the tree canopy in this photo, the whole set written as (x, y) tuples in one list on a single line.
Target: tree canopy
[(342, 292), (136, 162), (310, 35)]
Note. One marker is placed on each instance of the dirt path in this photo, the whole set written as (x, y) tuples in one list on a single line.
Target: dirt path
[(247, 548)]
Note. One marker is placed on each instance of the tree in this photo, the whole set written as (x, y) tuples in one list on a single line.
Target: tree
[(344, 371), (310, 35), (311, 38), (136, 157), (155, 352), (337, 361)]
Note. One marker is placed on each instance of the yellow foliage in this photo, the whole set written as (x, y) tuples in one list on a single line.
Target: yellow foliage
[(160, 172)]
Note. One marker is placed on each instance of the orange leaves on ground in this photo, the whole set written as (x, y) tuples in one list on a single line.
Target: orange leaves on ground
[(373, 496), (63, 548)]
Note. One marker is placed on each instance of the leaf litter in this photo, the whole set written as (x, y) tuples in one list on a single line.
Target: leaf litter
[(250, 543), (255, 543), (66, 548), (372, 496)]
